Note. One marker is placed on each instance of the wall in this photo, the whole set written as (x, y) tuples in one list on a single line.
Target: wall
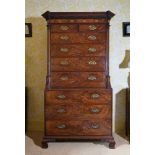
[(36, 50)]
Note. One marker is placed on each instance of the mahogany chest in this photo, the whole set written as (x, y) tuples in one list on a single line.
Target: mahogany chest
[(78, 94)]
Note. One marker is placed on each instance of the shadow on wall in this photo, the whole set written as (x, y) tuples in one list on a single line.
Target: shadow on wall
[(120, 112), (35, 71)]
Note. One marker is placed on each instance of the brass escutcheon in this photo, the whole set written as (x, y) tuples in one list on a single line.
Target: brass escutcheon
[(95, 110), (92, 78), (64, 63), (92, 37), (61, 96), (64, 27), (64, 50), (64, 78), (91, 50), (61, 126), (92, 27), (95, 96), (64, 37), (92, 62), (95, 126)]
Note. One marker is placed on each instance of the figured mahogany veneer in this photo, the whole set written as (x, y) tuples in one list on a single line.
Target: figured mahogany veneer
[(84, 96), (78, 79), (74, 109), (78, 64), (79, 127), (65, 38), (78, 50), (78, 94)]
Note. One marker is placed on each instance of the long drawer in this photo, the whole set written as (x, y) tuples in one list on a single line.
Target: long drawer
[(84, 96), (72, 50), (78, 64), (65, 38), (77, 110), (79, 127), (78, 79)]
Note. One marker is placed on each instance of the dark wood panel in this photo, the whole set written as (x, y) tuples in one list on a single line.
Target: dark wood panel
[(79, 127), (78, 64), (65, 38), (78, 79), (76, 21), (71, 50), (93, 27), (85, 96), (64, 28), (78, 15)]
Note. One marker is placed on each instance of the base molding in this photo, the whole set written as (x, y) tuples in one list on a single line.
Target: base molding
[(48, 139)]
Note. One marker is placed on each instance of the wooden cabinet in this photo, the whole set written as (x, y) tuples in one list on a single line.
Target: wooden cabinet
[(78, 94)]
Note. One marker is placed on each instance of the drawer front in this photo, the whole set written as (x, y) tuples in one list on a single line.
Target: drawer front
[(65, 38), (80, 127), (78, 79), (92, 27), (78, 50), (64, 28), (77, 110), (78, 64), (85, 96)]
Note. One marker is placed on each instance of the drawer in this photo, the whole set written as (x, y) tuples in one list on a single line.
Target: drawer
[(65, 38), (78, 79), (93, 27), (63, 50), (74, 109), (60, 111), (78, 64), (64, 28), (79, 127), (84, 96)]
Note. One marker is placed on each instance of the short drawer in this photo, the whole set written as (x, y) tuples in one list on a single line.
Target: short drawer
[(83, 96), (64, 38), (93, 27), (78, 64), (64, 28), (79, 127), (78, 79), (72, 50)]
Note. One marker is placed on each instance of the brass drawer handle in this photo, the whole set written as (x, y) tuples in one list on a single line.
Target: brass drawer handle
[(92, 27), (65, 50), (95, 110), (61, 110), (61, 126), (92, 37), (64, 63), (64, 37), (61, 96), (95, 96), (92, 78), (95, 126), (91, 50), (64, 27), (92, 62), (64, 78)]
